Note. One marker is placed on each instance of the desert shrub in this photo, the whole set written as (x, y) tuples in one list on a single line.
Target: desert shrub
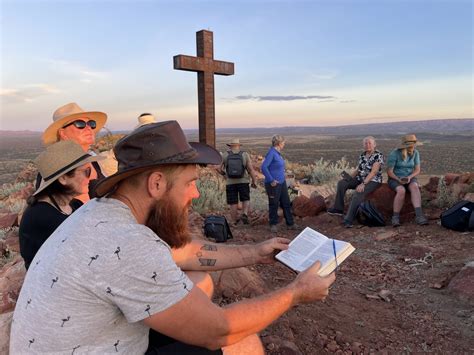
[(8, 189), (446, 196), (107, 141), (299, 170), (258, 199), (325, 172), (211, 194), (470, 188), (14, 206)]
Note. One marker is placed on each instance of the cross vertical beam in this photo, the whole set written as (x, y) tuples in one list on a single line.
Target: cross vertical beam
[(205, 66)]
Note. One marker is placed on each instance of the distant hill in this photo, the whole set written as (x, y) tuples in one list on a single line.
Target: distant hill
[(19, 133), (445, 126)]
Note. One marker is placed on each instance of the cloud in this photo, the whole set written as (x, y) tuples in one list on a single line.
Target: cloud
[(346, 101), (325, 74), (28, 93), (285, 98), (75, 69)]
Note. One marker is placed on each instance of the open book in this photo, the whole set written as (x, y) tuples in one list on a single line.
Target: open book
[(310, 246)]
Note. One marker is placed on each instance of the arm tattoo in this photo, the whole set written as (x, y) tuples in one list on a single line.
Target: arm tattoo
[(209, 247), (207, 262)]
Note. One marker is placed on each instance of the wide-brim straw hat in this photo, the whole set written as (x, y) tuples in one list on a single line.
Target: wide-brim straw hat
[(234, 141), (152, 145), (409, 140), (145, 118), (59, 159), (67, 114)]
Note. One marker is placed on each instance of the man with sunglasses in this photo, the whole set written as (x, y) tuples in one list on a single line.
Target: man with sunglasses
[(71, 122)]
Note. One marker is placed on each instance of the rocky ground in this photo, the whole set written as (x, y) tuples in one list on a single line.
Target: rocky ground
[(391, 295), (408, 289)]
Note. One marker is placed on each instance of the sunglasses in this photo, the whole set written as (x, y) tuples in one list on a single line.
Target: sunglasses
[(81, 124)]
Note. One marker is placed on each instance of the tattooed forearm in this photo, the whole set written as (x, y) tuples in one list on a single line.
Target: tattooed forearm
[(209, 247), (208, 262)]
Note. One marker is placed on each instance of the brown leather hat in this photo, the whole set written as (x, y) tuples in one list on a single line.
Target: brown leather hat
[(152, 145)]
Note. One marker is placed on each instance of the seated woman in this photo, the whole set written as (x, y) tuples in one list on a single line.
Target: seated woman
[(364, 180), (273, 167), (403, 167), (66, 170)]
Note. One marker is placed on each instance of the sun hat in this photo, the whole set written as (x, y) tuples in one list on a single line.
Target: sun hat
[(60, 158), (234, 141), (155, 144), (408, 141), (145, 118), (67, 114)]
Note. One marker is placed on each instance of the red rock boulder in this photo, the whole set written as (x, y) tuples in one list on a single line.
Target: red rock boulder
[(241, 281), (303, 206), (462, 285), (383, 201), (9, 220), (11, 280)]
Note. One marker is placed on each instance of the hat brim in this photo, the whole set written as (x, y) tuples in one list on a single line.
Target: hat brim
[(50, 135), (231, 144), (45, 184), (206, 155)]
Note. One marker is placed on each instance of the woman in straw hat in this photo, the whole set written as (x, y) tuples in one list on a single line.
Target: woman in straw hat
[(403, 167), (71, 122), (66, 170)]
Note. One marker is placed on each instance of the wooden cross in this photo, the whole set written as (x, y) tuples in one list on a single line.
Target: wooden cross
[(205, 66)]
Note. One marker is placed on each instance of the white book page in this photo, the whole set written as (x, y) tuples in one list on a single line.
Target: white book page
[(325, 253), (301, 248)]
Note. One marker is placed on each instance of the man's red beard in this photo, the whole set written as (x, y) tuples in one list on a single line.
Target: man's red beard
[(170, 222)]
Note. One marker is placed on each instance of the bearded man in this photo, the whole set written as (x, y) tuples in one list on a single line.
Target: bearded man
[(125, 264)]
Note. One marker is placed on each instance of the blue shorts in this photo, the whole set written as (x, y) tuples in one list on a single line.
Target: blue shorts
[(393, 184)]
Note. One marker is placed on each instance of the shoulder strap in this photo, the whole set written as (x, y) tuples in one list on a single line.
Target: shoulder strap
[(98, 170)]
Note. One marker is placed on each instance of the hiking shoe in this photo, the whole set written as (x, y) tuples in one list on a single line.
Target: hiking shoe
[(293, 227), (335, 212), (245, 219), (396, 221), (421, 220), (274, 228), (347, 224)]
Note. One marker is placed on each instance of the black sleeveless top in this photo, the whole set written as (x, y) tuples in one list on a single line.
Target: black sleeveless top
[(39, 221)]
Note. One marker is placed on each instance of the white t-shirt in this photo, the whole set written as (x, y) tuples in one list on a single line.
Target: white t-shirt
[(92, 283)]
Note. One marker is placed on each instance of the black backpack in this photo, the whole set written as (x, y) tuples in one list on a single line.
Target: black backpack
[(459, 217), (235, 165), (216, 227), (368, 215)]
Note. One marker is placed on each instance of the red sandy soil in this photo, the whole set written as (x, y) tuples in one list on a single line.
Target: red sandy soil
[(415, 312)]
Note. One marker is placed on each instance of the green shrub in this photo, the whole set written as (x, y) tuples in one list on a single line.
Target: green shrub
[(8, 189), (211, 195), (258, 199), (325, 172), (446, 195), (14, 206)]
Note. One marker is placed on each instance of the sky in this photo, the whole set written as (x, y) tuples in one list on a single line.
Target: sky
[(297, 63)]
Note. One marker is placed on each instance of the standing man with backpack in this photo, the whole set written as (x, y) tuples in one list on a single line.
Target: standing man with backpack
[(237, 167)]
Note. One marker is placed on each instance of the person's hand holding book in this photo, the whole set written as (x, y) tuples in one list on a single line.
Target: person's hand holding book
[(266, 250), (309, 286)]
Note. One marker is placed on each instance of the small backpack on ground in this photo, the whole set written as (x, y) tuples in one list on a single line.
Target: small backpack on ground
[(216, 227), (459, 217), (235, 165), (368, 215)]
